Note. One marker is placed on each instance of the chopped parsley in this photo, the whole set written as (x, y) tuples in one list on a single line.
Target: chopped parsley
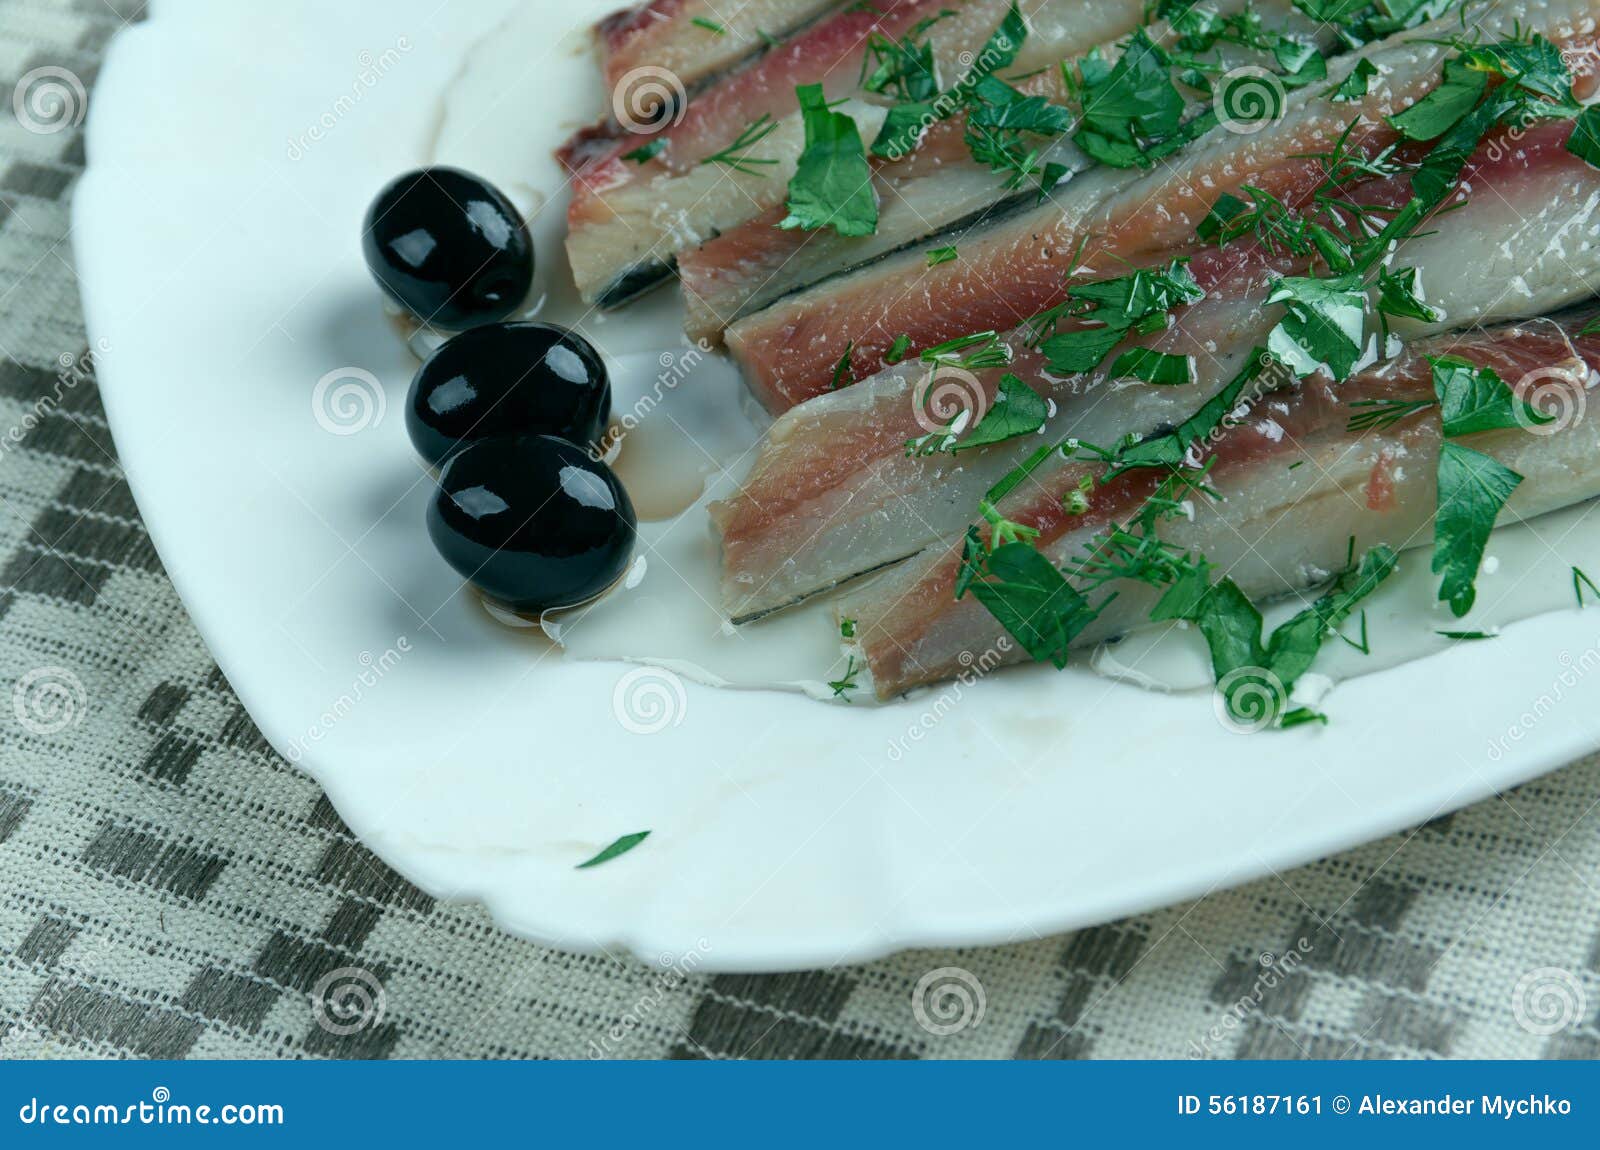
[(647, 152), (842, 370), (1579, 582), (1137, 303), (708, 25), (621, 847), (1473, 487), (1356, 82), (937, 256), (897, 349), (832, 183)]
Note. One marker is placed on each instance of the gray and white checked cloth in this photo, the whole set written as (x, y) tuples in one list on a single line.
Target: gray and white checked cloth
[(170, 888)]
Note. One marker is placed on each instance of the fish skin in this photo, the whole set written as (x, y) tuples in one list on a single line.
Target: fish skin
[(1019, 265), (831, 493), (911, 630), (935, 192), (626, 221), (662, 34)]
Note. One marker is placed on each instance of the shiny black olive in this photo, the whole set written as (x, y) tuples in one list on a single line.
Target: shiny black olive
[(449, 248), (508, 379), (532, 521)]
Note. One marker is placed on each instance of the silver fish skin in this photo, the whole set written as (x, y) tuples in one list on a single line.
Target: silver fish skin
[(1017, 266), (832, 493), (1274, 529)]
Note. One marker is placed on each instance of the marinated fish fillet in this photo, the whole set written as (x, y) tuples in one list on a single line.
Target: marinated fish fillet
[(697, 40), (1273, 530), (629, 217), (1014, 267), (936, 189), (832, 493)]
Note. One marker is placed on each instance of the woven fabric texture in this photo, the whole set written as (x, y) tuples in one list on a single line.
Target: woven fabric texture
[(171, 888)]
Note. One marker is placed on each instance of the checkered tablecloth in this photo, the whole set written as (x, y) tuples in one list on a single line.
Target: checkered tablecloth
[(171, 888)]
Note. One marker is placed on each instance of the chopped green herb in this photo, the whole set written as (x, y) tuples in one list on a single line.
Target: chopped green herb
[(897, 349), (1473, 487), (937, 256), (647, 152), (1442, 108), (1156, 367), (1137, 302), (1579, 582), (1324, 323), (621, 847), (970, 352), (842, 368), (1380, 414), (1473, 399), (1355, 83), (903, 68), (1017, 410), (1126, 107), (708, 25), (1400, 294), (1469, 634), (847, 682), (847, 628), (737, 154), (1585, 139), (832, 184)]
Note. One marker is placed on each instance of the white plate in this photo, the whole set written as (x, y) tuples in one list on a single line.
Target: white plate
[(222, 273)]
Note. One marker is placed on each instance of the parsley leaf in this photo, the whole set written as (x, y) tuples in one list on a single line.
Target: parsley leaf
[(1017, 410), (1438, 111), (937, 256), (1400, 294), (621, 847), (1585, 139), (647, 152), (1156, 367), (832, 184), (1356, 83), (1324, 324), (1473, 487), (1128, 104), (1473, 399)]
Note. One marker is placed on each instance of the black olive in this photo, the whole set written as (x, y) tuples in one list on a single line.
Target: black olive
[(532, 521), (508, 379), (449, 248)]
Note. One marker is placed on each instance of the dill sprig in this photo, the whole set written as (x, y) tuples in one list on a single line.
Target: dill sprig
[(737, 154)]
